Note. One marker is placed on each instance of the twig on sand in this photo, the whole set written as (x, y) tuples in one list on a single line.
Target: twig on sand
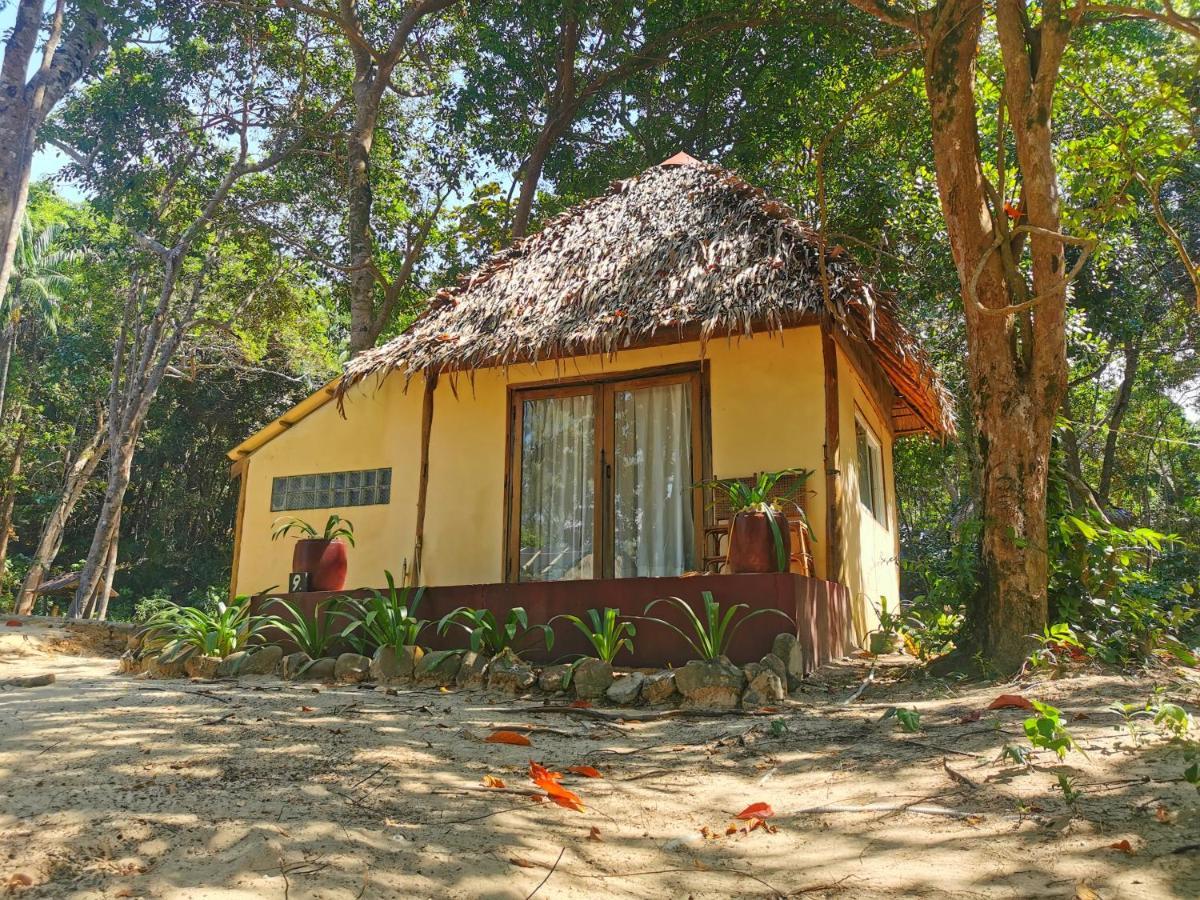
[(920, 809), (943, 749), (218, 720), (548, 874), (866, 683), (24, 681), (494, 812), (534, 729), (959, 777)]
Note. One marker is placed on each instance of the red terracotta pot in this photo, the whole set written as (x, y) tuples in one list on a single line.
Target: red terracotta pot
[(752, 543), (324, 561)]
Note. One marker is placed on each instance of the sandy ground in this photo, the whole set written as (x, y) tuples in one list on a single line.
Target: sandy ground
[(112, 786)]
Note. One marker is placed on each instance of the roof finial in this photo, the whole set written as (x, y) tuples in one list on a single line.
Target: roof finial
[(680, 159)]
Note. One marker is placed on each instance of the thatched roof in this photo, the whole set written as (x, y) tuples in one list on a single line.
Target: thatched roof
[(683, 251)]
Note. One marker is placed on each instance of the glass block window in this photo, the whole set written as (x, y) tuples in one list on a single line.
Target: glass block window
[(329, 490)]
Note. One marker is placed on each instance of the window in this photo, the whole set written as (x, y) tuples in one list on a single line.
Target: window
[(602, 480), (870, 471), (327, 490)]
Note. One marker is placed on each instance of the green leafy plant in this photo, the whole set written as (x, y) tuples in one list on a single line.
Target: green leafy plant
[(757, 497), (908, 719), (711, 635), (1015, 754), (1171, 718), (1058, 646), (312, 632), (181, 631), (1047, 731), (386, 620), (489, 635), (1129, 713), (335, 527), (606, 633), (1071, 794)]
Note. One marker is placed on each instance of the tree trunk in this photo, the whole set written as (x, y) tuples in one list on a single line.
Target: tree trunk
[(104, 591), (79, 473), (363, 330), (10, 498), (531, 177), (9, 339), (1116, 418), (1016, 361), (119, 467)]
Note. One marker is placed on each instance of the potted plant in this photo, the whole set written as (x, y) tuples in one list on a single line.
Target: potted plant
[(324, 556), (759, 537), (885, 638)]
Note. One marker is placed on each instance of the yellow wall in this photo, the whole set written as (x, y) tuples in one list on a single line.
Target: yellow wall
[(768, 413), (872, 563)]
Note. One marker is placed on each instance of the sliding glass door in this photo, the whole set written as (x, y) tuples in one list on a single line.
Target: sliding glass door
[(602, 477)]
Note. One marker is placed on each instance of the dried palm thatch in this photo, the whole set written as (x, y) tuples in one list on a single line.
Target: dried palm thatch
[(680, 252)]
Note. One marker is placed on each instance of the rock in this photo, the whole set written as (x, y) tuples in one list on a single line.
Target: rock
[(231, 666), (509, 673), (659, 687), (710, 684), (764, 689), (128, 663), (472, 673), (774, 664), (592, 678), (320, 670), (292, 665), (626, 690), (202, 666), (392, 665), (787, 648), (154, 667), (555, 679), (351, 667), (263, 661), (438, 668)]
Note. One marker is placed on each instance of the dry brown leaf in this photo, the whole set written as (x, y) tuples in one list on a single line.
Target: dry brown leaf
[(1010, 701), (522, 862), (585, 771), (507, 737), (594, 834), (1083, 891), (1124, 846), (492, 781), (19, 880)]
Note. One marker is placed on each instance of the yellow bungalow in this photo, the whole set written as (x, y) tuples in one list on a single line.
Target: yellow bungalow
[(545, 420)]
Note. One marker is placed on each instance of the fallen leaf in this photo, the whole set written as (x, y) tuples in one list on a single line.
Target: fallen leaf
[(585, 771), (731, 828), (522, 862), (307, 708), (1124, 846), (594, 834), (756, 811), (1079, 716), (973, 716), (581, 704), (1162, 814), (19, 879), (444, 689), (538, 772), (1010, 701), (1083, 891), (14, 623), (565, 798), (507, 737), (492, 781)]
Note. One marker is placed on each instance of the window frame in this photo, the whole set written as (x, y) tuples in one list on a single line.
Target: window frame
[(380, 478), (603, 389), (875, 471)]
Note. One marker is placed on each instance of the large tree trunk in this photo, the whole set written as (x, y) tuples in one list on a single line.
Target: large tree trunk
[(363, 326), (531, 176), (79, 473), (10, 497), (6, 351), (1117, 418), (1016, 360), (120, 465)]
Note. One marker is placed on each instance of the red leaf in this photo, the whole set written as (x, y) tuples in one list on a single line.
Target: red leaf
[(1013, 211), (538, 772), (507, 737), (1124, 846), (585, 771), (594, 834), (581, 704), (973, 716), (14, 623), (1010, 701), (756, 811)]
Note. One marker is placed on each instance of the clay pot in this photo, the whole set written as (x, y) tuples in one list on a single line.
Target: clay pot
[(324, 561), (752, 542)]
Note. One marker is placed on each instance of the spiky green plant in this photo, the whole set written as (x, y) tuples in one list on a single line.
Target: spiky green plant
[(711, 635), (604, 631), (311, 632), (757, 498), (487, 634), (386, 620), (179, 632), (335, 527)]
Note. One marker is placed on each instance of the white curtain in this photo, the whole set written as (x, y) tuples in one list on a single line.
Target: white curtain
[(652, 482), (557, 490)]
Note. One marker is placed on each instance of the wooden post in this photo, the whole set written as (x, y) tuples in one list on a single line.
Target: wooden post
[(834, 537), (241, 471), (431, 380)]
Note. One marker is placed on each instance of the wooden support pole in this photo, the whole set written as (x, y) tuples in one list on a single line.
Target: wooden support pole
[(241, 471), (834, 537), (431, 380)]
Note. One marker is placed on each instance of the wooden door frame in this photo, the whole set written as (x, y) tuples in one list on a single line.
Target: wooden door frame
[(603, 386)]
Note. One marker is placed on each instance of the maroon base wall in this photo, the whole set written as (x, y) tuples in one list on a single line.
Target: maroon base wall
[(819, 612)]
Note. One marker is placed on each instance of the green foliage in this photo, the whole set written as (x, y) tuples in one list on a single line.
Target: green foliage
[(313, 632), (711, 635), (606, 633), (386, 620), (1046, 730), (757, 497), (335, 527), (488, 635), (909, 720), (1071, 794), (180, 631)]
